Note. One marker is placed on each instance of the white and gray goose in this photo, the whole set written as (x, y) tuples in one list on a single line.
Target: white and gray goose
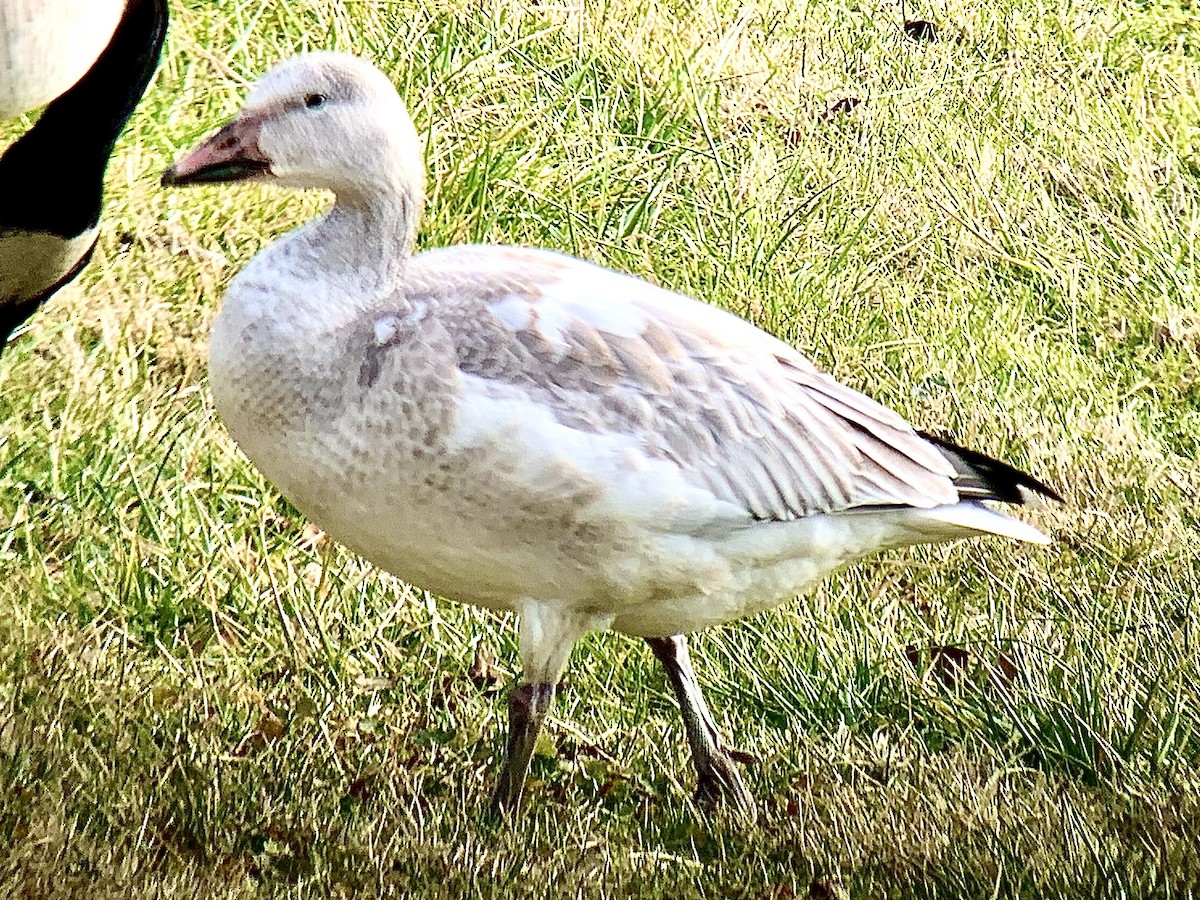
[(526, 431), (91, 61)]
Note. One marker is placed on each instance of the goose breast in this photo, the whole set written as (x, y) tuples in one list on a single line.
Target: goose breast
[(47, 45)]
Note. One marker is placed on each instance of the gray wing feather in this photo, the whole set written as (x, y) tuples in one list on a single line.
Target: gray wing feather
[(735, 409)]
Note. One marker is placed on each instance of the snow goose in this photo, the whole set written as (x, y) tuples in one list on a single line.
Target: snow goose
[(91, 60), (529, 432)]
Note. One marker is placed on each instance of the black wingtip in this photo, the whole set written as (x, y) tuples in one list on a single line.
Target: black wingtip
[(1000, 480)]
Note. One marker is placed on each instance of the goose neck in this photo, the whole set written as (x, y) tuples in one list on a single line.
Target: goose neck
[(370, 234)]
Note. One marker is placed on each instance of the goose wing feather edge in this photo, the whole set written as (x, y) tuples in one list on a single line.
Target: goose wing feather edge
[(666, 382)]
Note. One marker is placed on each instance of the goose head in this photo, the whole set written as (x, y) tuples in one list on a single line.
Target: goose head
[(320, 120)]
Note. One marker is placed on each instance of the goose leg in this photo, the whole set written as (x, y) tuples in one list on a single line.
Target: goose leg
[(528, 704), (547, 634), (717, 778)]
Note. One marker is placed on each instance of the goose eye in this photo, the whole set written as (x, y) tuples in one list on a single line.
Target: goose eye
[(314, 101)]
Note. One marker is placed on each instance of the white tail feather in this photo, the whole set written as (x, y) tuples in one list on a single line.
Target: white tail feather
[(975, 517)]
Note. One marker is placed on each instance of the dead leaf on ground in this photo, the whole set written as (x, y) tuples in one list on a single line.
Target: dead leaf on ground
[(825, 889), (226, 632), (1181, 329), (484, 672), (843, 107), (270, 726), (920, 30), (575, 748), (447, 696), (609, 777), (311, 537), (273, 520), (268, 729), (953, 665), (360, 790), (745, 757)]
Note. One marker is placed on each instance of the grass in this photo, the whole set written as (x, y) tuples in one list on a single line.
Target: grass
[(203, 697)]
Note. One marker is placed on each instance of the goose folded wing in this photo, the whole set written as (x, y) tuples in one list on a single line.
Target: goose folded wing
[(733, 411)]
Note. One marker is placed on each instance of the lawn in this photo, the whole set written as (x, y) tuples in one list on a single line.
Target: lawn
[(994, 233)]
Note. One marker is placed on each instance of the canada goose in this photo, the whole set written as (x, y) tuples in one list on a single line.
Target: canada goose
[(52, 177), (526, 431)]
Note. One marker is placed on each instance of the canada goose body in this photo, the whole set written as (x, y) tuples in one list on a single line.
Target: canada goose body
[(91, 61), (46, 46)]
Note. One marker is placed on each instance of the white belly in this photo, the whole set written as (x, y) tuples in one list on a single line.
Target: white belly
[(458, 537)]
